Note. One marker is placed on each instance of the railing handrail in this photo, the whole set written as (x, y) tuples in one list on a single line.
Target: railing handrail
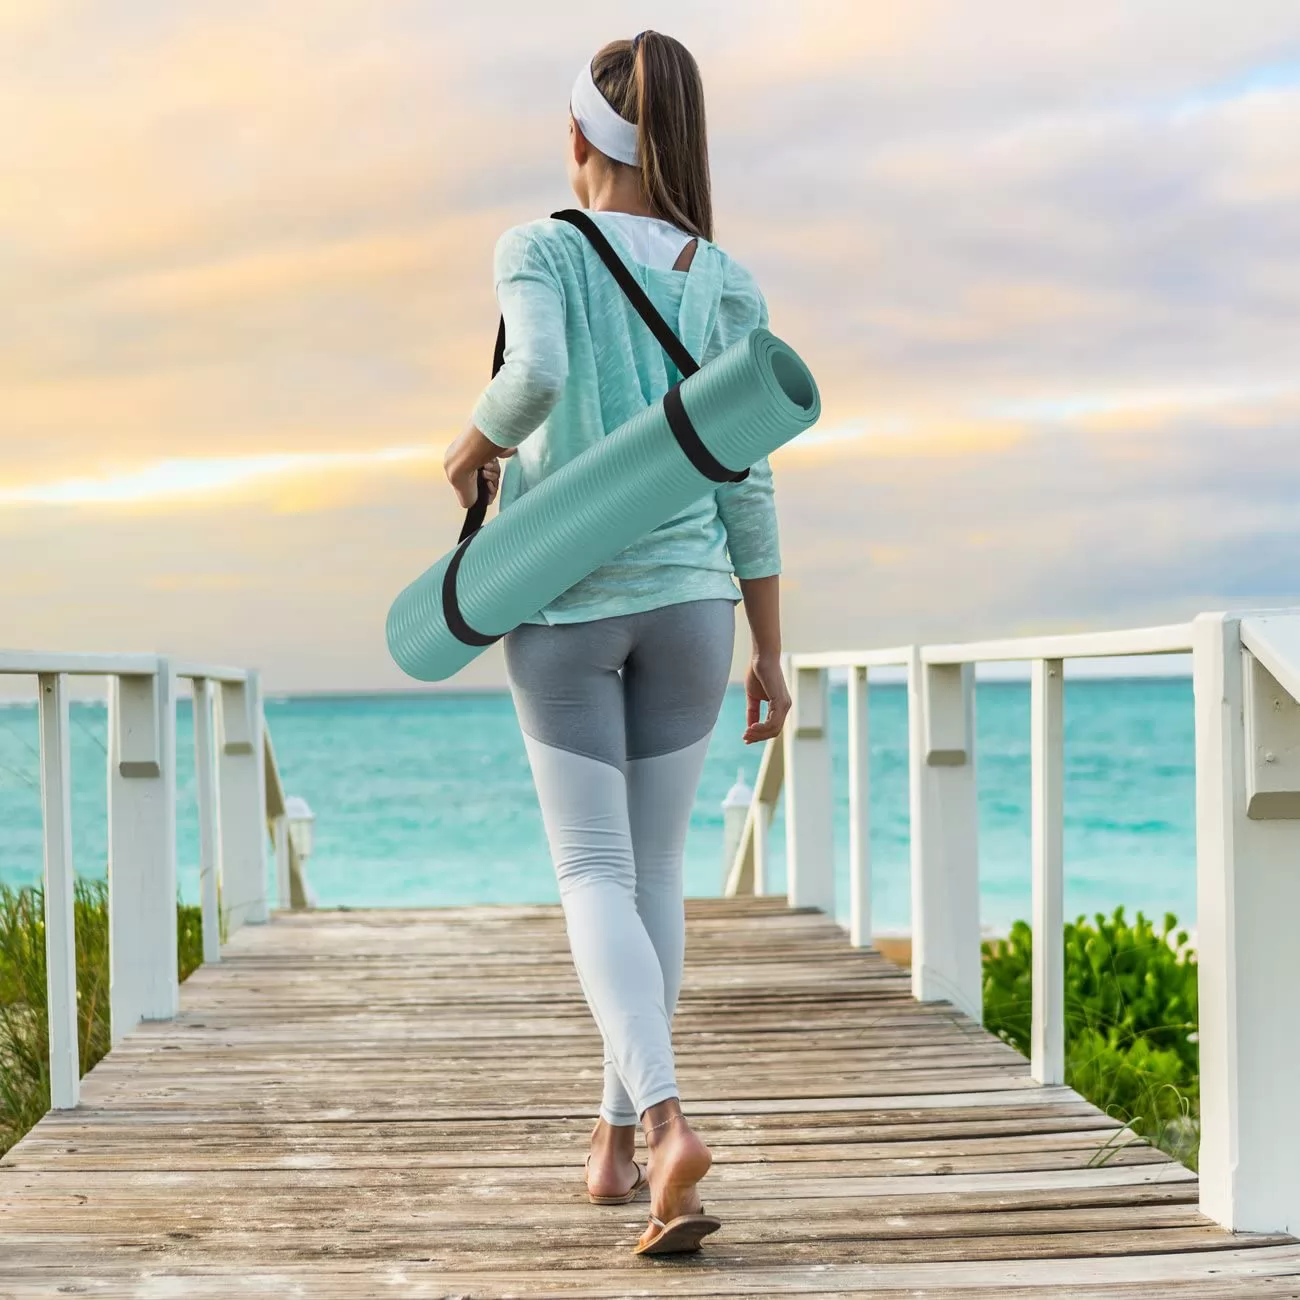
[(1175, 638), (1246, 687), (897, 657), (28, 663), (1274, 640), (34, 663), (209, 672)]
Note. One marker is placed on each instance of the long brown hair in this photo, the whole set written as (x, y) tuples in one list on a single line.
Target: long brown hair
[(654, 82)]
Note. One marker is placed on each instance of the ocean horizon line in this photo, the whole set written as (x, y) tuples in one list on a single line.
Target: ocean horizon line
[(879, 677), (1013, 673)]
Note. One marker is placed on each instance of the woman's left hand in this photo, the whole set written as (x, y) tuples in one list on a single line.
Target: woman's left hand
[(765, 682), (470, 453)]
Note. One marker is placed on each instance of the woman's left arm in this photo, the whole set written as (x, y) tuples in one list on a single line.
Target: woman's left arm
[(748, 512), (533, 373)]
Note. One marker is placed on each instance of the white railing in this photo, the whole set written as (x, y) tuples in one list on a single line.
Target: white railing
[(1246, 678), (239, 799)]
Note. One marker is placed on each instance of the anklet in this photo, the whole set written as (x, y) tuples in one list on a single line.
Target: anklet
[(663, 1123)]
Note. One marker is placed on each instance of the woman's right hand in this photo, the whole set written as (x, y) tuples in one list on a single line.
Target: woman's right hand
[(765, 682), (465, 483), (467, 455)]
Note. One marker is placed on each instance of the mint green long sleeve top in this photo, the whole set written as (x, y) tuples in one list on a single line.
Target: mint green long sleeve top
[(579, 362)]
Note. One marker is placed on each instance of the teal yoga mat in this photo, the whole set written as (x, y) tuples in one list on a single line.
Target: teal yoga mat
[(751, 399)]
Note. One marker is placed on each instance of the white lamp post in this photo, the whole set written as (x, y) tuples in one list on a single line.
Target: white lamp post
[(735, 808), (301, 824), (302, 833)]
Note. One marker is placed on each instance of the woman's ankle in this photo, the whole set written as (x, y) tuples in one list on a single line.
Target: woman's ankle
[(661, 1119), (616, 1139), (679, 1158)]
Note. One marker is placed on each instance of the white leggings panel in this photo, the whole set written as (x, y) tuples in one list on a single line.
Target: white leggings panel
[(616, 841)]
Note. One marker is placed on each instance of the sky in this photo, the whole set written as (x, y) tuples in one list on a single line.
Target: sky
[(1044, 263)]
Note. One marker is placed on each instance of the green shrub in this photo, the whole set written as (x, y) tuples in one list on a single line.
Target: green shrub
[(24, 1025), (1130, 1019)]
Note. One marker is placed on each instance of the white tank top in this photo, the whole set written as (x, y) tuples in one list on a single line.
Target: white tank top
[(653, 242)]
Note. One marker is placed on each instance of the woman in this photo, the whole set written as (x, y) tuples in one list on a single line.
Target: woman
[(618, 683)]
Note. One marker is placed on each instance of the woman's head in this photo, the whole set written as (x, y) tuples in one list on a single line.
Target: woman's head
[(653, 83)]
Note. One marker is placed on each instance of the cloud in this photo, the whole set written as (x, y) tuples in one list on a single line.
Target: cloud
[(212, 480)]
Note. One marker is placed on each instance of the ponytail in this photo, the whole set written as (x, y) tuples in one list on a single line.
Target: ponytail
[(654, 82)]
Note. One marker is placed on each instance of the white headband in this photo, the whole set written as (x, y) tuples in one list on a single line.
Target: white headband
[(604, 128)]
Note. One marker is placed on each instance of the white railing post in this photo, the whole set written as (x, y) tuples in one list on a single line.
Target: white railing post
[(859, 819), (205, 780), (283, 879), (1247, 902), (1047, 750), (242, 802), (945, 835), (60, 931), (278, 819), (142, 849), (809, 807), (762, 849)]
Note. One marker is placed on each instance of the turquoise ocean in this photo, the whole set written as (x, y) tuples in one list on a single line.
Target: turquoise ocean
[(426, 799)]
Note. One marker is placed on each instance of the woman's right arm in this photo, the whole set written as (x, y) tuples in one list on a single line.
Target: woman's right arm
[(534, 369)]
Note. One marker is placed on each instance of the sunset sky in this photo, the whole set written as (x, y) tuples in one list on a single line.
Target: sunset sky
[(1044, 261)]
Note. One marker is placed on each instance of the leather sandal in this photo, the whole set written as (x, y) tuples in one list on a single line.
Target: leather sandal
[(679, 1236), (627, 1197)]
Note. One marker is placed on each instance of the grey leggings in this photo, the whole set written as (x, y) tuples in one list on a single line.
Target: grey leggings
[(616, 716)]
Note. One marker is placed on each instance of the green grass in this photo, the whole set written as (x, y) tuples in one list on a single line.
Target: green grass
[(24, 1026), (1130, 1020)]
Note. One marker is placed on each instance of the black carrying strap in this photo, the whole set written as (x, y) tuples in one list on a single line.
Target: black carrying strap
[(636, 295), (456, 623), (679, 422), (477, 513), (474, 518)]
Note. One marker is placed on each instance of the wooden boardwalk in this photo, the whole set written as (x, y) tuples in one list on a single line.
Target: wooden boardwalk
[(360, 1104)]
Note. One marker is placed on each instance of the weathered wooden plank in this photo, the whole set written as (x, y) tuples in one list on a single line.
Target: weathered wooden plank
[(451, 1184), (572, 1248), (407, 1284), (522, 1170), (925, 1218), (413, 1276), (374, 1144), (969, 1121)]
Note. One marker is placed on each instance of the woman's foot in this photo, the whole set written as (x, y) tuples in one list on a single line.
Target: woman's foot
[(678, 1160), (612, 1170)]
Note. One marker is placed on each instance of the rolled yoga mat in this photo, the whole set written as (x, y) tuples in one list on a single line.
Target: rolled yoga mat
[(751, 399)]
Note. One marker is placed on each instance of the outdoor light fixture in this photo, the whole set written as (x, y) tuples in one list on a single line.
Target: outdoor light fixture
[(302, 823)]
